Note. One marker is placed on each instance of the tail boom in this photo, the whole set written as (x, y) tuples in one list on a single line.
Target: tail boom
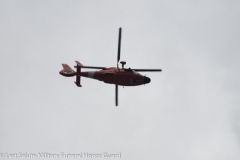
[(69, 72)]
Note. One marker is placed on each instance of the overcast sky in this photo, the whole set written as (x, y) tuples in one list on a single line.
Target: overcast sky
[(190, 111)]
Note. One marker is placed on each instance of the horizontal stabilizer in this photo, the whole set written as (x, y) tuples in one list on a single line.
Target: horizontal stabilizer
[(78, 83), (78, 78)]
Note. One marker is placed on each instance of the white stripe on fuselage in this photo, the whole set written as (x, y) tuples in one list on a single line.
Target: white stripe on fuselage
[(91, 74)]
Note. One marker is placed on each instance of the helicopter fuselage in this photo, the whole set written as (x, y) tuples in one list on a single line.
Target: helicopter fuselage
[(122, 77)]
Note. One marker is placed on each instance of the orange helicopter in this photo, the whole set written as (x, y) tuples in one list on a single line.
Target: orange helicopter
[(113, 75)]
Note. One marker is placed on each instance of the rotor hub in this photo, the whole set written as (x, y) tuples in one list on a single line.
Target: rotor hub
[(123, 63)]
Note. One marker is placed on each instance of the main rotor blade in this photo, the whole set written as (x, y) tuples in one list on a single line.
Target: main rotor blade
[(116, 95), (119, 45), (91, 67), (147, 70)]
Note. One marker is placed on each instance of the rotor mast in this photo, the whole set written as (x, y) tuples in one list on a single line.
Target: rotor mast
[(123, 63)]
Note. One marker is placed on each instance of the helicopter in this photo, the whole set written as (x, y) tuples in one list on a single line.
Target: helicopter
[(112, 75)]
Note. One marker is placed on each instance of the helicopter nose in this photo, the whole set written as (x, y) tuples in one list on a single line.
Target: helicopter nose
[(146, 80)]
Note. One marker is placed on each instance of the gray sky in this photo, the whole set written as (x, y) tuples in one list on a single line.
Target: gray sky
[(190, 111)]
